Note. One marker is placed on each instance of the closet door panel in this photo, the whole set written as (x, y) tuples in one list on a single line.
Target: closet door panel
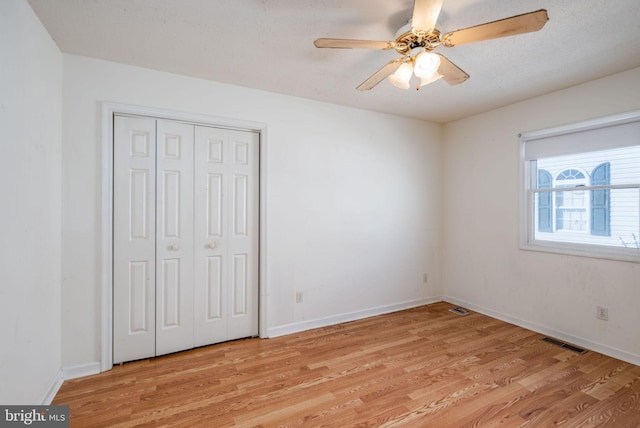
[(226, 242), (210, 222), (174, 242), (134, 238), (243, 240)]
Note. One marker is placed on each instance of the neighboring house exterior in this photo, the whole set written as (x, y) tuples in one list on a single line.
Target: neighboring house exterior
[(599, 216)]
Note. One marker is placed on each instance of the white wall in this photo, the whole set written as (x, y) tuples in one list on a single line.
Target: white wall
[(482, 264), (353, 213), (30, 117)]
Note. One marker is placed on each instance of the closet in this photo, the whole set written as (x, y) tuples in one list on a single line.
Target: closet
[(185, 236)]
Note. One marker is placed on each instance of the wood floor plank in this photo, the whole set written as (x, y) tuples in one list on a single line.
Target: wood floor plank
[(420, 367)]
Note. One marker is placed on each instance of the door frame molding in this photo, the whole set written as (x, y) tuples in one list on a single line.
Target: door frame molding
[(108, 110)]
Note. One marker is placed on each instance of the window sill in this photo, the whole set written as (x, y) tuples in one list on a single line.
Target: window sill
[(584, 250)]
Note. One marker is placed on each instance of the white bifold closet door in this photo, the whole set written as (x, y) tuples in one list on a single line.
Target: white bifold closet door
[(185, 263), (134, 238), (226, 238)]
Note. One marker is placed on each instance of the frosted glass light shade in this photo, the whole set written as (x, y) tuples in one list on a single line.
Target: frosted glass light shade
[(426, 64), (402, 76), (426, 80)]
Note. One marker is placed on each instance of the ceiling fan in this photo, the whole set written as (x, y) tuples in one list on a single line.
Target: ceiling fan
[(419, 37)]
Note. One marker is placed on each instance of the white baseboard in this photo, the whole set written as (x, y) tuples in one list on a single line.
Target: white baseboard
[(575, 340), (52, 390), (81, 370), (297, 327)]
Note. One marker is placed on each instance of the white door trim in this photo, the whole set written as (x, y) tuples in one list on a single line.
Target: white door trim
[(108, 109)]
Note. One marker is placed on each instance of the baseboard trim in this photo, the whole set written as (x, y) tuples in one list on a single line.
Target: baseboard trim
[(538, 328), (298, 327), (81, 370), (52, 390)]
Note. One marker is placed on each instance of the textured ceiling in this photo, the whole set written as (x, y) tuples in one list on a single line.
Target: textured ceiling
[(268, 45)]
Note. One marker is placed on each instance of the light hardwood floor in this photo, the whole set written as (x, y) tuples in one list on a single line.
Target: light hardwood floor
[(423, 367)]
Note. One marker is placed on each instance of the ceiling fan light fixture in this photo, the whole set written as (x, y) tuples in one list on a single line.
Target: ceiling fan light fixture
[(416, 41), (426, 65), (402, 76)]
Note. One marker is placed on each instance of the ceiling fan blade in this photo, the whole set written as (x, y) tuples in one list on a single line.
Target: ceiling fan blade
[(425, 15), (450, 72), (380, 75), (519, 24), (351, 44)]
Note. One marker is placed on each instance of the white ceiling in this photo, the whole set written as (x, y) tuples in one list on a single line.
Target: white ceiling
[(268, 45)]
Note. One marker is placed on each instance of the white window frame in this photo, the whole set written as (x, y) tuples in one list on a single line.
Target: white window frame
[(528, 179)]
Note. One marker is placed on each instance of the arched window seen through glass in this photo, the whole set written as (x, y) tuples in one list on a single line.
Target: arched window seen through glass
[(571, 207)]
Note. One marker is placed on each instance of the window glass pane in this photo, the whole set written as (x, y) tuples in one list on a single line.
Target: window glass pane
[(607, 216), (625, 166), (573, 225)]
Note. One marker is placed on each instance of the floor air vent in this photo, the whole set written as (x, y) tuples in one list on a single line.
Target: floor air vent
[(459, 311), (564, 345)]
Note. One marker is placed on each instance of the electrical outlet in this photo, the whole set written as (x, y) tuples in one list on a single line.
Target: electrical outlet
[(603, 313), (299, 297)]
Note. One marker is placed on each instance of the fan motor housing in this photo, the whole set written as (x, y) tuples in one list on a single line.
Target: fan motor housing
[(409, 40)]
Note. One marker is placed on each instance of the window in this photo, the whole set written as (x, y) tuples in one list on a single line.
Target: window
[(571, 209), (581, 188)]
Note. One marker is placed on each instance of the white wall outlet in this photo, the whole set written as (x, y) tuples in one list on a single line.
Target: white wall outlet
[(299, 297), (603, 313)]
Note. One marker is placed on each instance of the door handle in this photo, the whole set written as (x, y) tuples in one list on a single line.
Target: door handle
[(211, 245), (174, 247)]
